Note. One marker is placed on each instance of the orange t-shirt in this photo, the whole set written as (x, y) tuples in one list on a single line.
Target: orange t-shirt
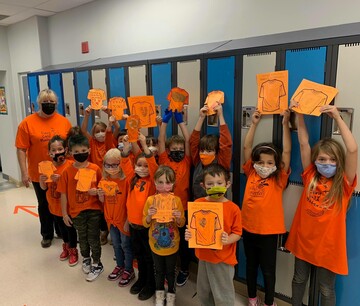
[(182, 170), (77, 201), (96, 96), (33, 135), (117, 106), (262, 209), (115, 202), (143, 188), (98, 149), (318, 233), (178, 97), (206, 223), (52, 196), (232, 225)]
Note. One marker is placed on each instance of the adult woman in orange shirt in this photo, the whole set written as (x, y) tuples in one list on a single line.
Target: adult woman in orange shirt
[(31, 142)]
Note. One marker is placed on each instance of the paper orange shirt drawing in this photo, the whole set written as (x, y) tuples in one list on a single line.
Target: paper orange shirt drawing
[(133, 125), (206, 222), (178, 97), (144, 107), (110, 188), (311, 96), (85, 178), (47, 168), (164, 203), (272, 92), (96, 96), (213, 99), (117, 106)]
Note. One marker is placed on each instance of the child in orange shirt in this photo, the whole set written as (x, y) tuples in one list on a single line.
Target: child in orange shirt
[(318, 233), (80, 205), (175, 153), (57, 152), (141, 186), (216, 267), (267, 171), (164, 237), (113, 192)]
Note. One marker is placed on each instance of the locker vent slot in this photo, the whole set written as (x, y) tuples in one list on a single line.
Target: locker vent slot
[(259, 54), (352, 45), (305, 49)]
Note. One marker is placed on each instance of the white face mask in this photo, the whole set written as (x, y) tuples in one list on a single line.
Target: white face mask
[(100, 136), (141, 172), (264, 172)]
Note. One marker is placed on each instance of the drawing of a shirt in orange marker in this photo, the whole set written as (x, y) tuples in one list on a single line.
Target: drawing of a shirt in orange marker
[(133, 126), (96, 96), (144, 107), (178, 97), (205, 223), (117, 106), (271, 91)]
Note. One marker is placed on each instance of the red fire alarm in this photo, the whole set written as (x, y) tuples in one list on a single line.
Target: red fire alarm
[(85, 47)]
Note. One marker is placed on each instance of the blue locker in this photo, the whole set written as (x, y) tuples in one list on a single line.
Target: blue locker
[(304, 64), (82, 89), (33, 83), (221, 76), (161, 86), (55, 83)]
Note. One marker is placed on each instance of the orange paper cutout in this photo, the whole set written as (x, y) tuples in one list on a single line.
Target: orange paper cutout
[(144, 107), (178, 97), (117, 106), (206, 223), (133, 125), (96, 96), (311, 96), (165, 204), (47, 168), (85, 177), (110, 188), (213, 99), (273, 92)]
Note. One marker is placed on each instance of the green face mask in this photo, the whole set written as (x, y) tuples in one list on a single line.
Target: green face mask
[(216, 192)]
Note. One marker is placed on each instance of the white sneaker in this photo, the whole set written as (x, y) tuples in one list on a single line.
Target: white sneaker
[(95, 271), (86, 265), (159, 297), (170, 299)]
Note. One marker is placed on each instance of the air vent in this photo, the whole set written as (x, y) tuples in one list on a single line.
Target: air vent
[(3, 17)]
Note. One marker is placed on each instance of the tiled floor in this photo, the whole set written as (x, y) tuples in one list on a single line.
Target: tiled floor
[(33, 276)]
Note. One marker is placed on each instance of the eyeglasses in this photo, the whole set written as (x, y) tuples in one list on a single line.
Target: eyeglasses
[(111, 166)]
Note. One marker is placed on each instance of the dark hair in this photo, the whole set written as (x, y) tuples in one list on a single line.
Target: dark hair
[(78, 140), (168, 171), (74, 130), (121, 133), (136, 177), (209, 143), (270, 149), (175, 139), (56, 138), (215, 169)]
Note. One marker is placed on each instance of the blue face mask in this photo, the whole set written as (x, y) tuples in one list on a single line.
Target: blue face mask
[(327, 170)]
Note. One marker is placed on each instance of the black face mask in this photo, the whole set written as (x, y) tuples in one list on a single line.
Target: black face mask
[(177, 156), (81, 157), (48, 108), (59, 157)]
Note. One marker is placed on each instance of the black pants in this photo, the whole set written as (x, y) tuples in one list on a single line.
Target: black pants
[(165, 266), (46, 218), (185, 253), (260, 250), (68, 233)]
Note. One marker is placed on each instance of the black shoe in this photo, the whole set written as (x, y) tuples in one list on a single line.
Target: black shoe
[(146, 293), (137, 287), (182, 278), (45, 243)]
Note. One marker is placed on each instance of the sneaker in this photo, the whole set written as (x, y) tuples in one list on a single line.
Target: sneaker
[(116, 273), (254, 301), (86, 265), (65, 253), (73, 257), (182, 278), (146, 293), (95, 271), (159, 297), (45, 243), (126, 278), (103, 237), (170, 299)]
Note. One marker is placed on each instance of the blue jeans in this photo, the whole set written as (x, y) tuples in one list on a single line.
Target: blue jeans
[(122, 248)]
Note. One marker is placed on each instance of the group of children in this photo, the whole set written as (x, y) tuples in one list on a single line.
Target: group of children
[(98, 175)]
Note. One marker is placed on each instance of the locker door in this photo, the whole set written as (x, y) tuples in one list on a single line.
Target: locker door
[(33, 83), (43, 82), (82, 89), (69, 97), (55, 83), (221, 76), (98, 78), (304, 64), (161, 86), (188, 78), (137, 85)]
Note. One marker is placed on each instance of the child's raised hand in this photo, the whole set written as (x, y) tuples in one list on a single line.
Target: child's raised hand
[(293, 104), (256, 116), (125, 116), (55, 177), (152, 211), (178, 117), (286, 116), (112, 120), (219, 109), (203, 111), (167, 115), (331, 110), (88, 111), (224, 238), (105, 109), (142, 138), (188, 234), (43, 178)]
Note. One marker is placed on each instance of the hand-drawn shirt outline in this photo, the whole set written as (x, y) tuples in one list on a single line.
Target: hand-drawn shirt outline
[(111, 189), (96, 96), (178, 97), (212, 100), (144, 110), (133, 125), (309, 100), (165, 204), (46, 167), (117, 106), (205, 223), (85, 178), (271, 91)]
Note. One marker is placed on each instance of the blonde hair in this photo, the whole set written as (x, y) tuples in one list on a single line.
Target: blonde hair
[(98, 123), (334, 149), (47, 94), (115, 154)]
